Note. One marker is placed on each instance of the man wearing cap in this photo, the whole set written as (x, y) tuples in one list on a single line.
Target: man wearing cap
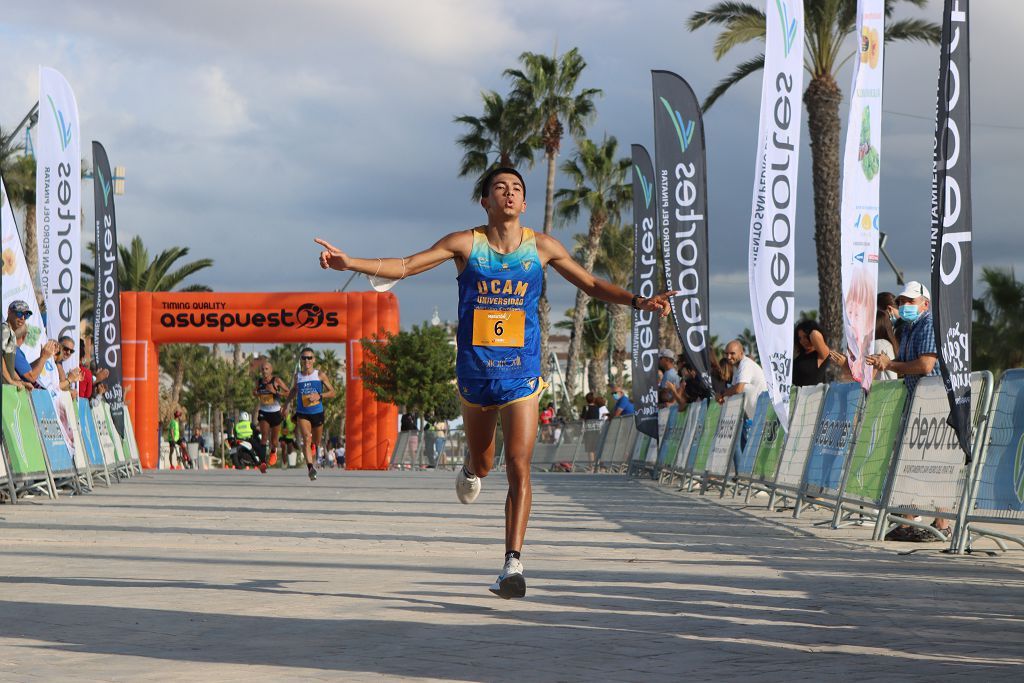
[(667, 365), (918, 355), (24, 373)]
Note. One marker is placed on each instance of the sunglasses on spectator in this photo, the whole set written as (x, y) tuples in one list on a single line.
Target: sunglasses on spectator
[(23, 314), (306, 357), (68, 349)]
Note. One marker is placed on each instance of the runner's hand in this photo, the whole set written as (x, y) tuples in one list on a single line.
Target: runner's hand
[(659, 303), (332, 257)]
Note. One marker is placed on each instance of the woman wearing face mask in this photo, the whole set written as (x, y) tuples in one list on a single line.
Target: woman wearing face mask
[(887, 305)]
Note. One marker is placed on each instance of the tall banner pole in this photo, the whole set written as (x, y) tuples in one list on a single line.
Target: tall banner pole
[(58, 207), (861, 179), (106, 329), (681, 174), (645, 283), (951, 228), (772, 223)]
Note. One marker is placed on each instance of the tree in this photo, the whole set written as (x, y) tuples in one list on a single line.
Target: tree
[(998, 335), (828, 24), (600, 187), (596, 338), (414, 370), (137, 272), (749, 341), (614, 262), (546, 88), (19, 173), (502, 136)]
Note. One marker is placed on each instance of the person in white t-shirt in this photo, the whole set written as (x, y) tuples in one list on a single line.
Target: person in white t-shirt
[(747, 379)]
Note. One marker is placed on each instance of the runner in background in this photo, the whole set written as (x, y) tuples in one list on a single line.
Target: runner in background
[(310, 389), (269, 390)]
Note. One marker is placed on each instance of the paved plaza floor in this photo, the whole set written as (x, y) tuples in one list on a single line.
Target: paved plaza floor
[(233, 576)]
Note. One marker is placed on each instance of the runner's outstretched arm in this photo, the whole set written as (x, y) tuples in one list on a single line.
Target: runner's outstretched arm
[(560, 259), (454, 245)]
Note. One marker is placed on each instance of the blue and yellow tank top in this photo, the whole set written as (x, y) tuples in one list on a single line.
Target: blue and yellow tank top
[(498, 334), (306, 402)]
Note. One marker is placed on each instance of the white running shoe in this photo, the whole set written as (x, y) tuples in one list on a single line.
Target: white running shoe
[(467, 488), (510, 582)]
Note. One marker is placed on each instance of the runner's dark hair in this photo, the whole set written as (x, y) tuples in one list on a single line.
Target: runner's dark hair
[(495, 172)]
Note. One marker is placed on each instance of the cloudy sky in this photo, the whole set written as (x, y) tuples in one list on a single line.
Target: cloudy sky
[(248, 128)]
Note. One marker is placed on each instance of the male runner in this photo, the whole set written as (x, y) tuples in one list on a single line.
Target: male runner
[(269, 390), (311, 388), (498, 364)]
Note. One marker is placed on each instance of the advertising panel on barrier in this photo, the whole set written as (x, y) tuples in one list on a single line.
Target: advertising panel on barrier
[(930, 473), (673, 436), (20, 433), (52, 433), (730, 423), (110, 454), (747, 456), (646, 339), (769, 450), (771, 254), (951, 224), (707, 436), (70, 408), (833, 436), (1001, 479), (875, 442), (681, 180), (89, 434), (801, 433), (694, 418)]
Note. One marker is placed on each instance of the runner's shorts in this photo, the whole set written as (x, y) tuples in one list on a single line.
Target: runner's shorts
[(273, 418), (491, 394), (314, 419)]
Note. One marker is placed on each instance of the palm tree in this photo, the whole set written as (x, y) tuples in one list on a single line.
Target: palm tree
[(19, 174), (137, 272), (614, 262), (600, 186), (828, 24), (596, 336), (503, 136), (998, 335), (546, 88)]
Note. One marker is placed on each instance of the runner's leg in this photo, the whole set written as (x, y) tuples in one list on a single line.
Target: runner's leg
[(519, 426), (317, 437), (305, 433), (479, 425)]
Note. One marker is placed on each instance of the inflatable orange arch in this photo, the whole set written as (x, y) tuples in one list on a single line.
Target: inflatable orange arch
[(149, 319)]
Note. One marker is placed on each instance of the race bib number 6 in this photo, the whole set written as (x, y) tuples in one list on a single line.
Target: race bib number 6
[(498, 328)]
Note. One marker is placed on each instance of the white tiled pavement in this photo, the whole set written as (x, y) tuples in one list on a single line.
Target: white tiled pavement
[(230, 576)]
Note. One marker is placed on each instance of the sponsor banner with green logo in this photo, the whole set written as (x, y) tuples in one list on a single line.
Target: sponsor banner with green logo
[(769, 450), (673, 437), (1001, 482), (876, 441), (21, 436), (707, 436)]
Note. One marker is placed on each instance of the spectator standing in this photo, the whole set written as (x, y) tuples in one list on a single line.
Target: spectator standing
[(623, 406), (547, 417), (602, 408), (27, 372), (18, 314), (810, 363), (885, 343), (747, 379), (667, 365), (916, 357)]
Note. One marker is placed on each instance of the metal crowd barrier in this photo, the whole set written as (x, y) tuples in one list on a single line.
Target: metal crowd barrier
[(617, 444), (52, 443), (723, 445)]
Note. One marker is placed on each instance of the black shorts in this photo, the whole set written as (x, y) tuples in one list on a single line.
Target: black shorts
[(314, 419), (273, 418)]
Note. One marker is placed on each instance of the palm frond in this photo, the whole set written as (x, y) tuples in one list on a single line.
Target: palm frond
[(739, 32), (739, 73), (914, 30), (723, 13)]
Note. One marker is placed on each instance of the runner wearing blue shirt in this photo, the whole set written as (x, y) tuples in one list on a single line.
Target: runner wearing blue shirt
[(498, 365)]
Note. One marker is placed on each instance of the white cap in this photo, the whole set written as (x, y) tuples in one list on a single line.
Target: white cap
[(667, 353), (913, 290)]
